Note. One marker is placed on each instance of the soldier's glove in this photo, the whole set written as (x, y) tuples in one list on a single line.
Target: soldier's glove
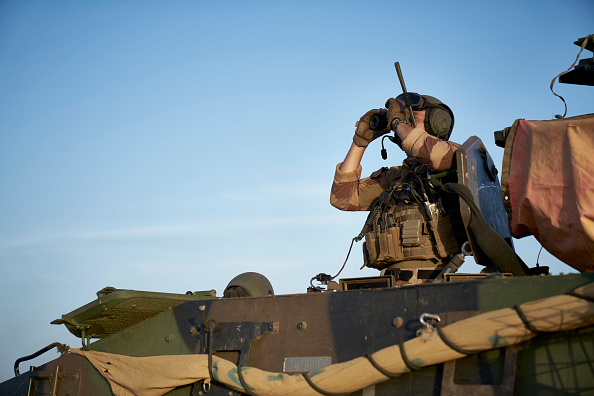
[(397, 111), (364, 134)]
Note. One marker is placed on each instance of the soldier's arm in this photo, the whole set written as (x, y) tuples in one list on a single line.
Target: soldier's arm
[(349, 191), (352, 161), (437, 154)]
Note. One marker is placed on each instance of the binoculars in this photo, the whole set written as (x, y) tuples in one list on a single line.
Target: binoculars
[(377, 122)]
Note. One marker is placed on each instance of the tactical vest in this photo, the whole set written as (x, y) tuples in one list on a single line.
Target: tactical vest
[(408, 223)]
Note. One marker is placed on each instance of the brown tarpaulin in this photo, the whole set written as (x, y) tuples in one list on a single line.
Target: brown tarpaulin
[(548, 186)]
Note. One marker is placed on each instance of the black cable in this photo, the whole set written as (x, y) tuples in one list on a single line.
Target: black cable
[(574, 294), (537, 257), (381, 369), (210, 346), (317, 389), (243, 383), (346, 259), (341, 268), (452, 345), (584, 43), (527, 324), (522, 317), (384, 152), (368, 223), (411, 366)]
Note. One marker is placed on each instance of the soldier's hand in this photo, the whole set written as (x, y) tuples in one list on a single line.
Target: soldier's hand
[(396, 109), (364, 134)]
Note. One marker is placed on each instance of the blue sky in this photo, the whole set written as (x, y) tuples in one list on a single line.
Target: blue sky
[(169, 146)]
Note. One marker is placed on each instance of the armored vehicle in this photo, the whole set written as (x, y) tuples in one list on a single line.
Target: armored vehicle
[(493, 333)]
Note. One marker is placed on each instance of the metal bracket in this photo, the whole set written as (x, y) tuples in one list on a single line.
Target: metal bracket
[(53, 378), (428, 321), (239, 336), (86, 339), (506, 387), (83, 327)]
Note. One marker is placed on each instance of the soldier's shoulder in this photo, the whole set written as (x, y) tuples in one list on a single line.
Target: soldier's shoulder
[(384, 171)]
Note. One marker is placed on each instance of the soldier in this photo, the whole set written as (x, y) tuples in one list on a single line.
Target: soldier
[(409, 231)]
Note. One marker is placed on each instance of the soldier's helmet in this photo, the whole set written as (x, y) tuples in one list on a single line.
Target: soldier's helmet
[(439, 118), (249, 284)]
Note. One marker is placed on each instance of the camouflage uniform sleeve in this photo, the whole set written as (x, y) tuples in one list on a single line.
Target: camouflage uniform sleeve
[(350, 192), (437, 154)]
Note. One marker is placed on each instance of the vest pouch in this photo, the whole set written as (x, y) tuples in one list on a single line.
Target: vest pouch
[(395, 241), (371, 246), (386, 249), (411, 233), (443, 236)]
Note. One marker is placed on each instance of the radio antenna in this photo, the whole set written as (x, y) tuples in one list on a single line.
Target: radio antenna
[(406, 98)]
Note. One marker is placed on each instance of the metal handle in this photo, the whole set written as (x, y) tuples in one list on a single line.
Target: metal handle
[(39, 352)]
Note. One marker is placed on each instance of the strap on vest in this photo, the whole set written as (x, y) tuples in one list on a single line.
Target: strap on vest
[(493, 250)]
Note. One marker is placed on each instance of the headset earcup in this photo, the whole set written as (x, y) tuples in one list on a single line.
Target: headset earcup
[(439, 121)]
